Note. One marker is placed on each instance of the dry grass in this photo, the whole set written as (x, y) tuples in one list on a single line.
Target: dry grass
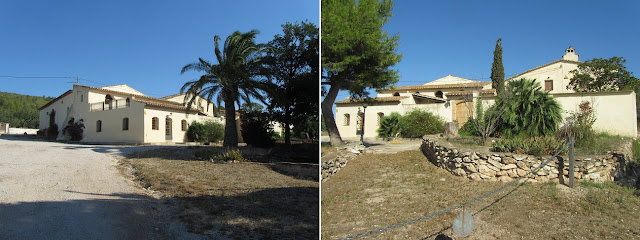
[(375, 191), (236, 200)]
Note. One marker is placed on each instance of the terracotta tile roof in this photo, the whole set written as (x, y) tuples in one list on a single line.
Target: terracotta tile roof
[(539, 67), (462, 93), (439, 86), (372, 100), (56, 99), (151, 101)]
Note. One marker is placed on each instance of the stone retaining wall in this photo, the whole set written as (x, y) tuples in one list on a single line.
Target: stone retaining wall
[(506, 166)]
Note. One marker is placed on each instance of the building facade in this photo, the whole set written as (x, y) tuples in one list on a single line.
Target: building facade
[(121, 114), (454, 99)]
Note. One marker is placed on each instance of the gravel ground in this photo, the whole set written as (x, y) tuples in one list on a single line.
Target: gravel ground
[(53, 190)]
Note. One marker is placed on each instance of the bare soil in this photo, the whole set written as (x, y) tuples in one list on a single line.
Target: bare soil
[(379, 190), (242, 200)]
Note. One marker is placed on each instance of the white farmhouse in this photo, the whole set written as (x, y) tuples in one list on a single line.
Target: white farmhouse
[(453, 98), (121, 114)]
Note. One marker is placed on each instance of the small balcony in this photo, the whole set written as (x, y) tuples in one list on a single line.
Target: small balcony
[(110, 105)]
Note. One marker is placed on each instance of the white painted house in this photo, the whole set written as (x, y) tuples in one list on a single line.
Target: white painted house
[(121, 114), (453, 98)]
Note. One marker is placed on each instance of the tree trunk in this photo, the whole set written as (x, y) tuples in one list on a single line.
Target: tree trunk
[(230, 128), (327, 114), (287, 131)]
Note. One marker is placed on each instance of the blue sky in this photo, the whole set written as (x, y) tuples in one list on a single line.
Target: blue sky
[(440, 38), (143, 44)]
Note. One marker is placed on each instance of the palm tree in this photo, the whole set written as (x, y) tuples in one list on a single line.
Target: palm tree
[(230, 80), (528, 110)]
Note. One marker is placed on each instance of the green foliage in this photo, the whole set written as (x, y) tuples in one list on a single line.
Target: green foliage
[(74, 129), (497, 69), (308, 125), (215, 155), (598, 143), (52, 132), (538, 146), (636, 150), (579, 124), (600, 74), (420, 122), (389, 125), (257, 130), (469, 128), (208, 131), (357, 54), (231, 79), (21, 110), (528, 111), (292, 65)]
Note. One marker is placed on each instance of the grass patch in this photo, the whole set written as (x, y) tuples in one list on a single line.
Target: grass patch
[(239, 200), (599, 143), (379, 190)]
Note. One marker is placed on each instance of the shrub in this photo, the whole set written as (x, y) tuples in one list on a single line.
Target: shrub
[(256, 127), (208, 131), (216, 155), (528, 111), (74, 129), (579, 124), (389, 125), (52, 131), (469, 128), (548, 145), (420, 122)]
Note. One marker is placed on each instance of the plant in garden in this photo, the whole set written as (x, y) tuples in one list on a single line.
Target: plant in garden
[(74, 129), (256, 126), (528, 111), (420, 122), (52, 131), (208, 131), (529, 145), (579, 124), (389, 125)]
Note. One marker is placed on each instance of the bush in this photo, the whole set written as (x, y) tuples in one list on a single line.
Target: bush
[(52, 131), (469, 128), (418, 123), (74, 129), (528, 111), (208, 131), (214, 155), (538, 146), (579, 125), (257, 130), (389, 125)]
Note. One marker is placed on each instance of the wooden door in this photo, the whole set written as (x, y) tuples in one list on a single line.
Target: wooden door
[(463, 111)]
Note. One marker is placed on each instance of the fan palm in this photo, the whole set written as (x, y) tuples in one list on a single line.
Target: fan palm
[(528, 110), (230, 80)]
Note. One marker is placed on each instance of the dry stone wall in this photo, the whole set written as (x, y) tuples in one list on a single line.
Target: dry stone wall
[(507, 167)]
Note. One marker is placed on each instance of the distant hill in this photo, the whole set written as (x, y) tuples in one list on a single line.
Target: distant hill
[(21, 110)]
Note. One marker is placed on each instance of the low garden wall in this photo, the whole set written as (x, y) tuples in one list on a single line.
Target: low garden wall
[(507, 167)]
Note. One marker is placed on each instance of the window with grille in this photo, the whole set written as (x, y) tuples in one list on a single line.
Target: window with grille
[(380, 116), (154, 123), (184, 125), (99, 126), (347, 119), (125, 124)]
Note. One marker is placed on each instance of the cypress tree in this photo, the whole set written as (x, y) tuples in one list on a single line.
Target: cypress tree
[(497, 69)]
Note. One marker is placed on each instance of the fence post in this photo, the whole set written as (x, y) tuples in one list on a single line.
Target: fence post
[(571, 163)]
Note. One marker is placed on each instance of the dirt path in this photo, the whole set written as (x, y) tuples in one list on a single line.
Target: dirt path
[(65, 191)]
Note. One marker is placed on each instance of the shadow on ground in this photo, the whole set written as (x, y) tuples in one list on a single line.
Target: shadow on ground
[(262, 214)]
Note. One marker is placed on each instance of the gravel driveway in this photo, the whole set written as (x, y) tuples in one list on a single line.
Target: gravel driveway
[(65, 191)]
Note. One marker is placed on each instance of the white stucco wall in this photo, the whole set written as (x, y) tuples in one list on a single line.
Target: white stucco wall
[(615, 111), (60, 108), (199, 103), (558, 72)]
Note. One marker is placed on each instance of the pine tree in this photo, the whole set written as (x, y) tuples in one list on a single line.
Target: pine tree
[(497, 69)]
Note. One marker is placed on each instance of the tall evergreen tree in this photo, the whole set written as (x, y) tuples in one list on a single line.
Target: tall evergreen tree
[(357, 54), (497, 69)]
